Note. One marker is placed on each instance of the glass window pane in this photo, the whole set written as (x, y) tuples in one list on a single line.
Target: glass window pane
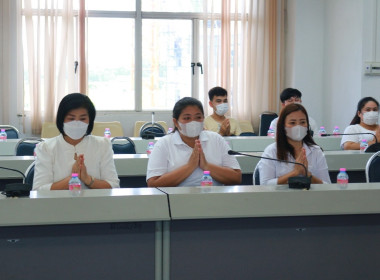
[(111, 63), (190, 6), (111, 5), (166, 62)]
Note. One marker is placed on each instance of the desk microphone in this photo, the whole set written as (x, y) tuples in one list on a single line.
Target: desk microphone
[(298, 182), (16, 189), (375, 147)]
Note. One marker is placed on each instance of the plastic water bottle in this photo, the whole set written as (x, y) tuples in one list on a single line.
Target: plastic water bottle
[(206, 179), (74, 185), (336, 131), (149, 149), (107, 133), (363, 145), (322, 130), (342, 178), (34, 152), (170, 130), (270, 132), (3, 135)]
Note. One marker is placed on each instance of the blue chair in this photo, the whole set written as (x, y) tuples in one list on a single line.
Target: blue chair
[(150, 130), (247, 134), (123, 145), (372, 168), (12, 132), (29, 174), (26, 146), (256, 175), (265, 119)]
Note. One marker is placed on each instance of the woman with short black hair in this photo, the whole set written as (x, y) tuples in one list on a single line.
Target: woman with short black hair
[(293, 143), (75, 150), (179, 159)]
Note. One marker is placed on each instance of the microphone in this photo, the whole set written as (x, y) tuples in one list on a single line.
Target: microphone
[(298, 182), (16, 189), (375, 147)]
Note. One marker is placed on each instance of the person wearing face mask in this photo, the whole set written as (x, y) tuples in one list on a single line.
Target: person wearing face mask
[(290, 96), (75, 150), (218, 122), (179, 158), (293, 143), (365, 121)]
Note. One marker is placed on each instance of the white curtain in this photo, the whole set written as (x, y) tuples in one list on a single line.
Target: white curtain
[(243, 53), (49, 56)]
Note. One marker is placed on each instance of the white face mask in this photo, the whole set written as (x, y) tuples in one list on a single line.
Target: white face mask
[(296, 133), (371, 118), (191, 129), (75, 129), (221, 109)]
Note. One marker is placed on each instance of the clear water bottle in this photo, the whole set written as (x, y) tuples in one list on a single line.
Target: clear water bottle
[(149, 148), (270, 132), (363, 145), (206, 179), (34, 152), (3, 135), (342, 178), (74, 185), (322, 130), (170, 130), (336, 131), (107, 133)]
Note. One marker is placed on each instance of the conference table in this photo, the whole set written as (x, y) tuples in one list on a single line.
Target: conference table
[(237, 143), (227, 232)]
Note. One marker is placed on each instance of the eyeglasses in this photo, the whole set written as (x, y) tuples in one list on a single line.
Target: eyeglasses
[(293, 99)]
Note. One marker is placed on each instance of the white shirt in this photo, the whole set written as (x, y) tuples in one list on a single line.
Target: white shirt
[(356, 128), (170, 153), (312, 123), (271, 170), (55, 159)]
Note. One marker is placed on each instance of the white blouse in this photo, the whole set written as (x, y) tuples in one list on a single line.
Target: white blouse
[(356, 128), (55, 159), (271, 170), (170, 153)]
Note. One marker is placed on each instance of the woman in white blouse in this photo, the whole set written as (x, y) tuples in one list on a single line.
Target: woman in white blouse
[(293, 143), (179, 159), (365, 121), (75, 150)]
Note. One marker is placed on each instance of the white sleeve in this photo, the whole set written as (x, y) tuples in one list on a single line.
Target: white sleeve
[(267, 168), (157, 163), (43, 170), (107, 165), (321, 169)]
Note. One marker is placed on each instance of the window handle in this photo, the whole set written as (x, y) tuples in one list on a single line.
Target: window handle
[(192, 66), (200, 65)]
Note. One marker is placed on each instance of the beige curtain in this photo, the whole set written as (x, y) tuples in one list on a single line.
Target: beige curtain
[(50, 51), (247, 60)]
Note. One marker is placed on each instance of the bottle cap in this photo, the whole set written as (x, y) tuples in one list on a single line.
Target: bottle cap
[(74, 174), (342, 169), (322, 127), (206, 172), (364, 140), (107, 128), (336, 126), (3, 129), (151, 143)]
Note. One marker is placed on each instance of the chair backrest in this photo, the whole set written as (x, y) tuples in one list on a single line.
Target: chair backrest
[(152, 128), (26, 146), (49, 130), (139, 124), (265, 119), (247, 134), (372, 169), (115, 128), (123, 145), (256, 175), (29, 174), (12, 132)]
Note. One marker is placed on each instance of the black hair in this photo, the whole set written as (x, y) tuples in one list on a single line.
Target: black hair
[(283, 146), (182, 104), (75, 101), (216, 91), (289, 93), (361, 104)]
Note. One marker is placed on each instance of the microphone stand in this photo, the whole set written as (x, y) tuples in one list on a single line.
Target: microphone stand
[(297, 182), (16, 189)]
